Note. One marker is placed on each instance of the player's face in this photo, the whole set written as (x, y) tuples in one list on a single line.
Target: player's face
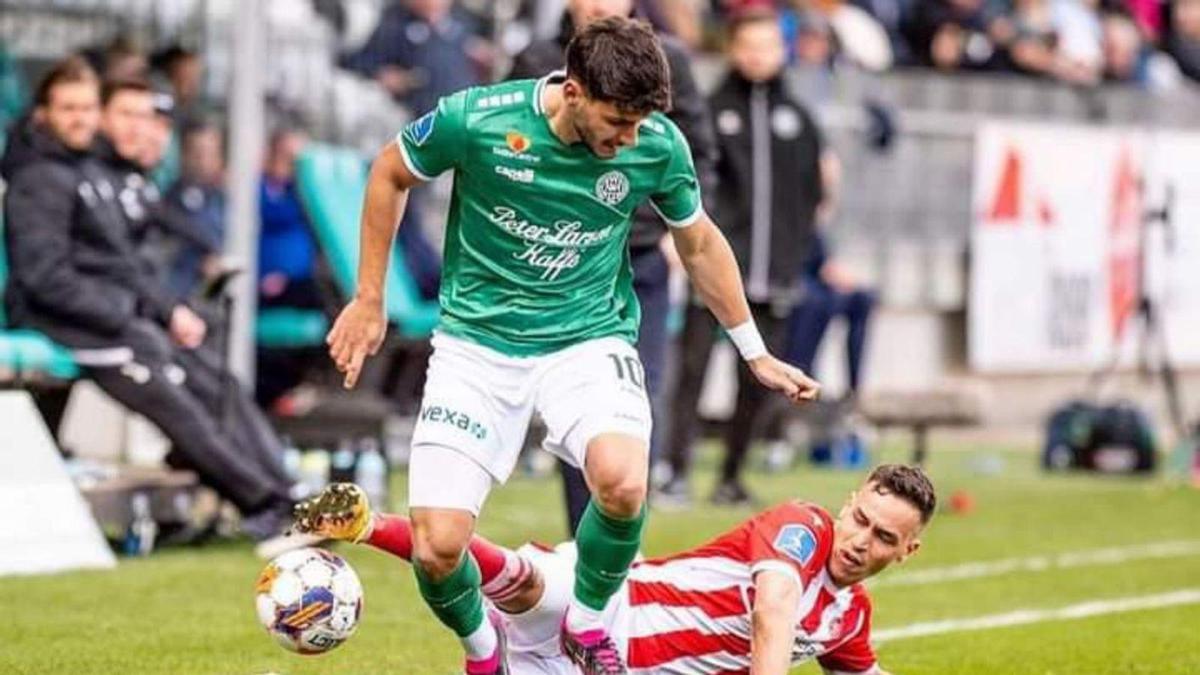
[(72, 114), (604, 127), (127, 121), (757, 51), (873, 530)]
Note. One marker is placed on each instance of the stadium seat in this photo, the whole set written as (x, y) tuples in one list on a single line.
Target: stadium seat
[(289, 328), (332, 181)]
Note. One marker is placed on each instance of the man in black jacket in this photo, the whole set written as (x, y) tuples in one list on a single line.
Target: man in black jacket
[(130, 108), (770, 188), (651, 272), (76, 277)]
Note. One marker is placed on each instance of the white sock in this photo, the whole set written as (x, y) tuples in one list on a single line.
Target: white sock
[(582, 618), (482, 643)]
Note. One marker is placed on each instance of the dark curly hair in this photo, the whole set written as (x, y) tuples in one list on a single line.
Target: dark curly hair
[(908, 483), (620, 61)]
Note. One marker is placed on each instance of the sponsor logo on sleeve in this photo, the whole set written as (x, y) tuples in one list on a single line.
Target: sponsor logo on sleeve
[(796, 542), (420, 129)]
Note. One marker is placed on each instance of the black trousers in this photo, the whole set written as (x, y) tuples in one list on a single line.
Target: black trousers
[(700, 332), (180, 391)]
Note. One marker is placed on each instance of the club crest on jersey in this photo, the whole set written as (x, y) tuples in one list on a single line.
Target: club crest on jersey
[(517, 142), (796, 542), (612, 188), (420, 129)]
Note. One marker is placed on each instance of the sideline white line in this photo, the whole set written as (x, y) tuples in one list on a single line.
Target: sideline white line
[(990, 568), (1020, 617)]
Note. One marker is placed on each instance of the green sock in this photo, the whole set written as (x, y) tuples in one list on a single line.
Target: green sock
[(607, 546), (456, 600)]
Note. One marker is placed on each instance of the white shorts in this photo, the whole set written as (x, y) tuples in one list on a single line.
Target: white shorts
[(533, 635), (478, 402)]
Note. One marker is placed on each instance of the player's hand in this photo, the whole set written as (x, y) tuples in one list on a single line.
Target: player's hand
[(785, 379), (186, 328), (357, 334)]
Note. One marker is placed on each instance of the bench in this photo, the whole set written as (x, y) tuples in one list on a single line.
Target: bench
[(170, 495), (922, 410)]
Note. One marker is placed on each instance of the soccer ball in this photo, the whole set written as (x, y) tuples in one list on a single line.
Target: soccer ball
[(309, 600)]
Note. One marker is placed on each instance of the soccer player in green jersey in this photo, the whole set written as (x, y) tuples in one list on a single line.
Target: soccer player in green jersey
[(538, 311)]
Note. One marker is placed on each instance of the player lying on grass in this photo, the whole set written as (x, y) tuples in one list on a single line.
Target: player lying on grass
[(779, 589)]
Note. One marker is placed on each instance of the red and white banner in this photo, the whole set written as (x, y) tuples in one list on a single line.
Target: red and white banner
[(1064, 217)]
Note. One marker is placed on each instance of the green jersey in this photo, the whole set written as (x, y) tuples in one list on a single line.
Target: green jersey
[(535, 257)]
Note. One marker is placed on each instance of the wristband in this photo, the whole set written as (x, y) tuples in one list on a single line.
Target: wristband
[(748, 341)]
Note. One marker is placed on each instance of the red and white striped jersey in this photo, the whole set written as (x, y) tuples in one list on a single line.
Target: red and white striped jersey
[(691, 613)]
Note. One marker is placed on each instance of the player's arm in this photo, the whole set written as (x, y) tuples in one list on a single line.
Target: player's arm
[(709, 261), (360, 328), (776, 599), (425, 148)]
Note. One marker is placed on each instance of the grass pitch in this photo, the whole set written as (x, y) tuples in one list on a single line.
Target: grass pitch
[(191, 611)]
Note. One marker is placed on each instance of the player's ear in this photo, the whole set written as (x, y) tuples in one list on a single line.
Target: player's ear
[(913, 546), (573, 92)]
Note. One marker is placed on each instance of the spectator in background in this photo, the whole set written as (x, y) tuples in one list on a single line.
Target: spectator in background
[(120, 59), (184, 72), (287, 263), (287, 254), (1183, 37), (852, 33), (769, 190), (422, 50), (1128, 58), (959, 34), (76, 276), (198, 196), (891, 15), (1059, 39), (829, 290), (651, 273)]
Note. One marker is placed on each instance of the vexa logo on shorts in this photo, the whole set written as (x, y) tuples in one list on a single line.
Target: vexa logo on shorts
[(442, 415), (553, 248)]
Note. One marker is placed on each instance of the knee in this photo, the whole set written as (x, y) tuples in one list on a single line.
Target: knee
[(620, 494), (438, 549)]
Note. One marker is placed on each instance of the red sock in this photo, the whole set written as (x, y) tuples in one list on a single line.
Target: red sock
[(393, 534), (490, 557)]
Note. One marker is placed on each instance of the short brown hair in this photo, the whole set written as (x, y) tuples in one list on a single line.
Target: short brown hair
[(113, 87), (620, 61), (908, 483), (71, 70)]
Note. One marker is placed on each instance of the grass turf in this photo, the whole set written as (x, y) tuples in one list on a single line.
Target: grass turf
[(191, 611)]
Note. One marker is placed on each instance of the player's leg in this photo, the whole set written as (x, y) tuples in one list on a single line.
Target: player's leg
[(446, 493), (610, 532), (341, 511), (594, 402), (467, 437)]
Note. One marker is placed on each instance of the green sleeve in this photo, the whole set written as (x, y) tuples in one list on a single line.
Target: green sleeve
[(434, 142), (677, 198)]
